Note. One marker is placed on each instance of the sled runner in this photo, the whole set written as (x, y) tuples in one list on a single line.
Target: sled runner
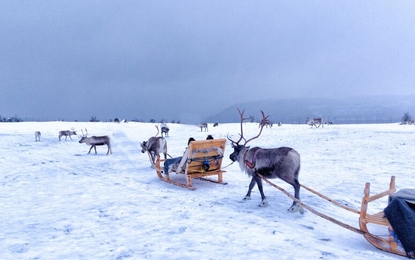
[(201, 159), (386, 243)]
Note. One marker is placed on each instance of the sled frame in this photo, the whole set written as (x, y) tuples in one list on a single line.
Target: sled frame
[(386, 244)]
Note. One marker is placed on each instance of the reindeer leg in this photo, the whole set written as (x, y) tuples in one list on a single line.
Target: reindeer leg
[(95, 148), (153, 159), (251, 186), (295, 207), (90, 149), (264, 201)]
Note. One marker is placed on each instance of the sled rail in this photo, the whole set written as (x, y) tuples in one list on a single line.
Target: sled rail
[(386, 244)]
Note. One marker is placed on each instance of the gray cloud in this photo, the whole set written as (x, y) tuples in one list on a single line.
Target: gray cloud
[(189, 59)]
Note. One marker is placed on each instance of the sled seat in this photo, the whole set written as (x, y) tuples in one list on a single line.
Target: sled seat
[(204, 158), (387, 243)]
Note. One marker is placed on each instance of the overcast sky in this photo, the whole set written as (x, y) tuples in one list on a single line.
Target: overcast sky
[(186, 60)]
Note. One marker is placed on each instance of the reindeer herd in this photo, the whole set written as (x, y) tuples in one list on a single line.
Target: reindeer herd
[(281, 162), (93, 141)]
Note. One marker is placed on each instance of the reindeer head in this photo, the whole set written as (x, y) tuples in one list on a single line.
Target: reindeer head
[(237, 148), (144, 147)]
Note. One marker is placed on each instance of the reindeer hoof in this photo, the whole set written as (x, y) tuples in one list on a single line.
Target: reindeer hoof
[(296, 208), (247, 198), (264, 203)]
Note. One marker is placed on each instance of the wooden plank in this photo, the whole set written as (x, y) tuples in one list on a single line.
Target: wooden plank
[(378, 218)]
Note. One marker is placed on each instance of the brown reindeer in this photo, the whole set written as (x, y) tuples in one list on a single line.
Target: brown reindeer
[(93, 141), (66, 133), (37, 136), (282, 162), (203, 126), (154, 146), (164, 129), (317, 122)]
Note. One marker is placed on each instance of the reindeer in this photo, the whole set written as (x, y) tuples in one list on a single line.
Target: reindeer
[(164, 130), (203, 126), (37, 136), (66, 133), (317, 122), (215, 124), (282, 162), (154, 146), (93, 141)]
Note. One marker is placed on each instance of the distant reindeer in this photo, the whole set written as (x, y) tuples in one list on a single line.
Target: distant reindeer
[(154, 146), (317, 122), (215, 124), (329, 123), (37, 136), (203, 126), (283, 163), (93, 141), (164, 130), (66, 133)]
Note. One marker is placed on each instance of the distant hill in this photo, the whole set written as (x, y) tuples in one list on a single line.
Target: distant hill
[(377, 109)]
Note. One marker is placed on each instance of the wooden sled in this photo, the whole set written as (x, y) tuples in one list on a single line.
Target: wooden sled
[(386, 243), (204, 159)]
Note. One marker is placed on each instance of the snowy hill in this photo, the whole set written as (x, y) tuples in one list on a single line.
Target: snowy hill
[(380, 109)]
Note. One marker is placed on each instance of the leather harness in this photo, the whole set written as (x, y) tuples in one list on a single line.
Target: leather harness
[(252, 164)]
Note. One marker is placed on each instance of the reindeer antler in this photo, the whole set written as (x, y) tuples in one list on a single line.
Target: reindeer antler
[(264, 121), (241, 114), (158, 130), (84, 134)]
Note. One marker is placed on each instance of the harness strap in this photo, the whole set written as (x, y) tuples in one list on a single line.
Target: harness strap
[(252, 164)]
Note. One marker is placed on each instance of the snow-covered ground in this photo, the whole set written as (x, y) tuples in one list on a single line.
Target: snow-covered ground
[(57, 202)]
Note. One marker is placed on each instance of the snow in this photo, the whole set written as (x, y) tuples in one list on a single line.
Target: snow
[(57, 202)]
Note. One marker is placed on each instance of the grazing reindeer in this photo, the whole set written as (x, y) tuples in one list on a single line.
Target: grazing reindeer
[(203, 126), (317, 122), (283, 163), (154, 146), (37, 136), (66, 133), (215, 124), (93, 141)]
